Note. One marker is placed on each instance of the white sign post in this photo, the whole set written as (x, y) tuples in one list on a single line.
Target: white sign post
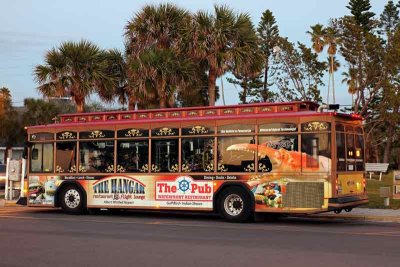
[(23, 170), (7, 163)]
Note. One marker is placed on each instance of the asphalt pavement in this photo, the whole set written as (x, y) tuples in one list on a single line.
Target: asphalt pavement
[(48, 237)]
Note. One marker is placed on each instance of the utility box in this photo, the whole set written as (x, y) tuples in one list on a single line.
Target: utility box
[(14, 170), (396, 185), (385, 192)]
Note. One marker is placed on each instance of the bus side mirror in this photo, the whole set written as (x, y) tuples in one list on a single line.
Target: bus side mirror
[(35, 154)]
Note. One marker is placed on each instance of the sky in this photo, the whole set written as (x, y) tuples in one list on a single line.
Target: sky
[(29, 28)]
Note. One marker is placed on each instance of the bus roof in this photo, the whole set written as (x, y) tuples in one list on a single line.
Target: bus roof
[(245, 111)]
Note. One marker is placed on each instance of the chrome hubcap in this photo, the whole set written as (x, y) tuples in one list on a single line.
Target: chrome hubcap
[(233, 205), (72, 198)]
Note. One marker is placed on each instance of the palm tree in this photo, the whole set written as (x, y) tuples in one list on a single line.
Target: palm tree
[(224, 40), (331, 39), (321, 37), (350, 78), (334, 65), (76, 70), (317, 34), (148, 33), (163, 72)]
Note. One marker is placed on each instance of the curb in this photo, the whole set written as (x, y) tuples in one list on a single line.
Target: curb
[(360, 218), (7, 203)]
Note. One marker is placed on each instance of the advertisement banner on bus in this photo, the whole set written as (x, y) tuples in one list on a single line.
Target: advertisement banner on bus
[(184, 192), (117, 191), (149, 191), (42, 189)]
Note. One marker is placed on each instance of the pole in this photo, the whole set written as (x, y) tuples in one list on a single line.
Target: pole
[(23, 169), (7, 165)]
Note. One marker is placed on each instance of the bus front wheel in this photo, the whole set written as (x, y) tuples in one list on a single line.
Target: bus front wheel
[(72, 200), (234, 205)]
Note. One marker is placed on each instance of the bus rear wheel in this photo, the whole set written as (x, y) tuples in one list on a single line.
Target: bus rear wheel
[(234, 205), (72, 200)]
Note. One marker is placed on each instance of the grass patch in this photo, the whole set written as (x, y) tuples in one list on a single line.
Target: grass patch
[(375, 201)]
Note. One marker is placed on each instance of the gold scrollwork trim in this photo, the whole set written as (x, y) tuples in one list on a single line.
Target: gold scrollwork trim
[(72, 169), (250, 168), (97, 134), (186, 168), (82, 168), (66, 135), (221, 167), (209, 168), (165, 132), (316, 126), (198, 130), (110, 168), (262, 168), (133, 133), (174, 168), (155, 168), (144, 168), (59, 169), (120, 169)]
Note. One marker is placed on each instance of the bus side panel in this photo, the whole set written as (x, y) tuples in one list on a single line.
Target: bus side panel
[(350, 183)]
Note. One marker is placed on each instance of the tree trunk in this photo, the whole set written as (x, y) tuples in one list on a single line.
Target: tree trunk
[(265, 94), (80, 104), (388, 145), (162, 95), (163, 102), (131, 103), (212, 77), (329, 88), (390, 132), (244, 95), (333, 81)]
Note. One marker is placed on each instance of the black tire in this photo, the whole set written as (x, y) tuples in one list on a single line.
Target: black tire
[(235, 204), (72, 200)]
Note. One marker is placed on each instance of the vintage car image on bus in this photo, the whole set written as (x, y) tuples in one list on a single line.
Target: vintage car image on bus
[(234, 160)]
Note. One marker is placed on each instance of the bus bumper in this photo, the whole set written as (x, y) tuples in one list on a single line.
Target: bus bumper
[(347, 202)]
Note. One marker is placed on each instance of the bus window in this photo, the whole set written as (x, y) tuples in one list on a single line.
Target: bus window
[(40, 163), (197, 154), (65, 157), (2, 160), (318, 150), (350, 152), (339, 127), (133, 156), (96, 156), (359, 152), (341, 151), (236, 154), (164, 155), (270, 145)]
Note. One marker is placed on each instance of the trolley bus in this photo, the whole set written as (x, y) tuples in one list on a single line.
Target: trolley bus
[(234, 160)]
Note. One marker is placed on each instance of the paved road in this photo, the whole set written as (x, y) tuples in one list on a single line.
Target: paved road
[(47, 237)]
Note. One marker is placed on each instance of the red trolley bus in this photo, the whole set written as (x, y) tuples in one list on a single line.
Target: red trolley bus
[(235, 160)]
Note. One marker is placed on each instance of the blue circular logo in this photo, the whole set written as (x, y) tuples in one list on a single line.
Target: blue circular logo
[(184, 185)]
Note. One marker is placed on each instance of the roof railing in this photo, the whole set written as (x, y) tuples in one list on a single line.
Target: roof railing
[(190, 112)]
